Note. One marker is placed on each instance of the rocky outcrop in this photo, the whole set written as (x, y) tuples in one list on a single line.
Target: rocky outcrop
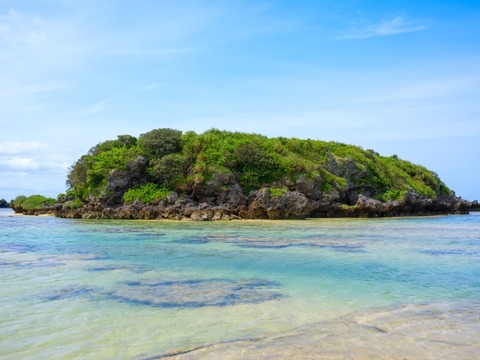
[(290, 205), (43, 210), (475, 206), (4, 204), (119, 181), (267, 204), (222, 198)]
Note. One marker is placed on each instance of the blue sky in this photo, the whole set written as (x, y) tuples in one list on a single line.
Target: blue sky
[(399, 77)]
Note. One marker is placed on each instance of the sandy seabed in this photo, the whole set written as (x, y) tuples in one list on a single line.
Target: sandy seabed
[(429, 331)]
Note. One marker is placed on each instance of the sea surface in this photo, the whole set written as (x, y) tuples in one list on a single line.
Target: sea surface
[(397, 288)]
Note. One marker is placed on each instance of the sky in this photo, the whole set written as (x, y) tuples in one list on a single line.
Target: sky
[(398, 77)]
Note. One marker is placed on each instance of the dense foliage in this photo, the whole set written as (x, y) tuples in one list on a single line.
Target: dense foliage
[(165, 160), (146, 194), (32, 202)]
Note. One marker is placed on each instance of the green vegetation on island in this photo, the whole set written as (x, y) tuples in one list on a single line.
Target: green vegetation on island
[(167, 173), (32, 202), (172, 161)]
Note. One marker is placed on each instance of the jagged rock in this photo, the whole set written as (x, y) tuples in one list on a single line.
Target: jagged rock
[(202, 215), (261, 204), (475, 206), (119, 181), (290, 205), (218, 215), (172, 198), (309, 187)]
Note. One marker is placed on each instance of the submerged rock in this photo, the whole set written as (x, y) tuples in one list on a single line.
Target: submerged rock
[(192, 293), (196, 293)]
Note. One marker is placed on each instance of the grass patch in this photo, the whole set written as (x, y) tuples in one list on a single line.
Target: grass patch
[(147, 193), (277, 192)]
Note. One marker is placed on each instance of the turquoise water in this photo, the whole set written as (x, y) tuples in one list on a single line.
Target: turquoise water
[(136, 289)]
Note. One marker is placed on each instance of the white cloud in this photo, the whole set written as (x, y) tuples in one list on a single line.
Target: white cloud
[(21, 147), (31, 155), (32, 167), (386, 27), (21, 163)]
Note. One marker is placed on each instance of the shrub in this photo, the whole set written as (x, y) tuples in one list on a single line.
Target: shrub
[(277, 192), (147, 193), (127, 141), (160, 142), (19, 200), (393, 195), (256, 165), (74, 204), (77, 175), (32, 202), (170, 170), (103, 163)]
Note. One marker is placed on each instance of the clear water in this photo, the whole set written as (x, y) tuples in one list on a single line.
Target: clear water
[(141, 289)]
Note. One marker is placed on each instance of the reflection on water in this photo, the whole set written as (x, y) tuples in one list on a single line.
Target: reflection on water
[(342, 288)]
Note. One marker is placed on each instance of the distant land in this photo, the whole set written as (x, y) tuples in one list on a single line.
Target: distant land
[(4, 204), (222, 175)]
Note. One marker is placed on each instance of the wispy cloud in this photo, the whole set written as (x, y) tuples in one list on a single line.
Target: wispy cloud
[(35, 88), (436, 89), (147, 88), (99, 106), (163, 52), (391, 26), (18, 28)]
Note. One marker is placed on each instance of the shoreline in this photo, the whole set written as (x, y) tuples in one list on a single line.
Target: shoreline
[(309, 219), (240, 219)]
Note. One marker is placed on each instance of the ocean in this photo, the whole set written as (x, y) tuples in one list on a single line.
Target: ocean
[(390, 288)]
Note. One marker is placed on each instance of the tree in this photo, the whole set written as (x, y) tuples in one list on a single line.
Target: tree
[(77, 176), (127, 141), (160, 142), (255, 165), (170, 170)]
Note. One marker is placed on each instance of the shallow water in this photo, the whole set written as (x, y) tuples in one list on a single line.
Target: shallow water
[(324, 288)]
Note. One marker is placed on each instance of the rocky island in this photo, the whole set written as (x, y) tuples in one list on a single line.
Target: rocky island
[(4, 204), (221, 175)]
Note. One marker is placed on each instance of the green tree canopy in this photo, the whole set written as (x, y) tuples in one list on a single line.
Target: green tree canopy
[(160, 142), (188, 162), (127, 141)]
